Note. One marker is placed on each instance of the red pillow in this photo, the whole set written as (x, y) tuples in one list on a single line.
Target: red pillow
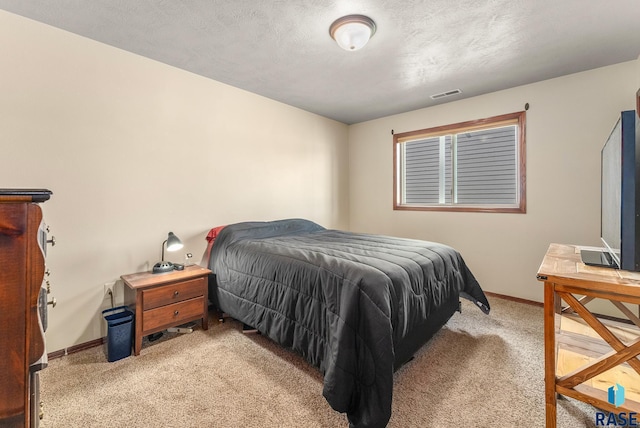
[(211, 238), (213, 234)]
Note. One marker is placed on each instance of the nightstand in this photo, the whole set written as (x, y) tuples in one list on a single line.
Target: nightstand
[(164, 300)]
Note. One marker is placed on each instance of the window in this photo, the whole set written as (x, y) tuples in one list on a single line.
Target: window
[(471, 166)]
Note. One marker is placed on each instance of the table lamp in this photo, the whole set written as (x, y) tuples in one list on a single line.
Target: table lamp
[(173, 243)]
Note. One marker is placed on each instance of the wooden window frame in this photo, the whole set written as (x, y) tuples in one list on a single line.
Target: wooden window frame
[(518, 118)]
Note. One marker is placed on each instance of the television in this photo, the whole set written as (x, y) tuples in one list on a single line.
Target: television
[(620, 197)]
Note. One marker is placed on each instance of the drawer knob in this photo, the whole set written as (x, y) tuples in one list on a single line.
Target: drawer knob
[(176, 313), (175, 294), (52, 241)]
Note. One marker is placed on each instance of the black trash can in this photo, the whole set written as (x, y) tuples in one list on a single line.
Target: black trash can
[(119, 332)]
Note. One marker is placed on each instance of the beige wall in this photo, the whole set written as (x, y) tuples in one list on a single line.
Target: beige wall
[(567, 123), (133, 148)]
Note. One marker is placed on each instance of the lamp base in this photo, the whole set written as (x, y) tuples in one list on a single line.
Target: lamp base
[(162, 267)]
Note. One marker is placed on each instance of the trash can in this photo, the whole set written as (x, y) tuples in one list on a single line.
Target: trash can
[(119, 332)]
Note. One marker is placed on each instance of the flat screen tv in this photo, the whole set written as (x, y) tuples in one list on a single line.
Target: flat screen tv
[(620, 197)]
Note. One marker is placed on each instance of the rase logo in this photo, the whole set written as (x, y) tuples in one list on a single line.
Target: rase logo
[(615, 396)]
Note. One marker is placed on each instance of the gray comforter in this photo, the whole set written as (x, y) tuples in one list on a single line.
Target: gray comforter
[(354, 305)]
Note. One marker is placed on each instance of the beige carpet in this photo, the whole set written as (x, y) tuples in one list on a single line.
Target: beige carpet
[(478, 371)]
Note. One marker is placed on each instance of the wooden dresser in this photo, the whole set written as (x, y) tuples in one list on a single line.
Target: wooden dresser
[(23, 305), (165, 300)]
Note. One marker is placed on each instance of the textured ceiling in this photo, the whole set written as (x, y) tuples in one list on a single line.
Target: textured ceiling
[(281, 49)]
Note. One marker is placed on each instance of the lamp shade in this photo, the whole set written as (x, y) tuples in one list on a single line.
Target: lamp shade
[(352, 32), (173, 242)]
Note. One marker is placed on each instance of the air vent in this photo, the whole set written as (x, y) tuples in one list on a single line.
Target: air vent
[(446, 94)]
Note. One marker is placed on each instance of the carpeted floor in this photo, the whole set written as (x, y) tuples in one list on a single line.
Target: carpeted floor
[(478, 371)]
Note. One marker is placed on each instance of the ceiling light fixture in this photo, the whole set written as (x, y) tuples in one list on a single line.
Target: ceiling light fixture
[(352, 32)]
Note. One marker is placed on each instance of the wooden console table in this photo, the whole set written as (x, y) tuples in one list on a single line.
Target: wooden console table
[(565, 277)]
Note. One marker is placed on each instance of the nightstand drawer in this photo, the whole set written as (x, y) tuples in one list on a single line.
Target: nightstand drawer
[(173, 293), (172, 314)]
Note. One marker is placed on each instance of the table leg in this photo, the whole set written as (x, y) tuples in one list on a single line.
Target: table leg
[(550, 354), (137, 345)]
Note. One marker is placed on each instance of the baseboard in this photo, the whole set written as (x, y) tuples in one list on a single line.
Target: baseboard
[(540, 304), (514, 299), (76, 348)]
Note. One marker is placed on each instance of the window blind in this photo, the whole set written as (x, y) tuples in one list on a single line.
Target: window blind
[(485, 165), (486, 169)]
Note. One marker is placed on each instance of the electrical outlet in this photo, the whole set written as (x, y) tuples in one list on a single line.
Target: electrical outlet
[(109, 288)]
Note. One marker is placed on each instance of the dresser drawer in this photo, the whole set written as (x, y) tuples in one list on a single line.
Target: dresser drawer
[(171, 315), (173, 293)]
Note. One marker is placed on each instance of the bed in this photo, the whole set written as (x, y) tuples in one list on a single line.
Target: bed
[(356, 306)]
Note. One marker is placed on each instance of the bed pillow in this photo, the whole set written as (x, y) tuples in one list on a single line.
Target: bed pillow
[(213, 234), (211, 238)]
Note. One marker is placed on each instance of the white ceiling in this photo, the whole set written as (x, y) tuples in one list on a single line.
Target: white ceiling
[(281, 49)]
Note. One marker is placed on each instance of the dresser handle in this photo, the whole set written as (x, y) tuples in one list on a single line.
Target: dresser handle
[(52, 241), (175, 294), (53, 302), (176, 313)]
